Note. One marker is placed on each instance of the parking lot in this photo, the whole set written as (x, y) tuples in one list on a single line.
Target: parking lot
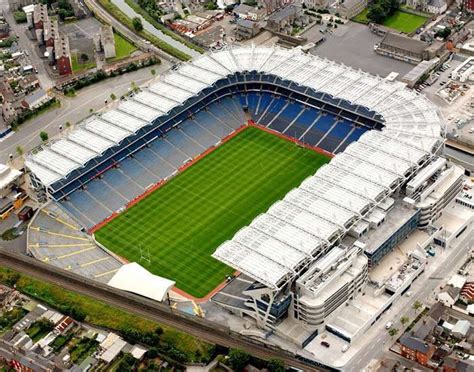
[(353, 45), (81, 35)]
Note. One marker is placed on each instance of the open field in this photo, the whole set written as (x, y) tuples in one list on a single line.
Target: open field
[(78, 67), (400, 20), (184, 221), (123, 48), (405, 22)]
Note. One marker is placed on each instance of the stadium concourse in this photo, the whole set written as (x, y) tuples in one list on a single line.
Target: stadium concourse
[(381, 132)]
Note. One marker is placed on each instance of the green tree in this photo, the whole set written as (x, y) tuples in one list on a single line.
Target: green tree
[(392, 332), (404, 320), (113, 96), (44, 136), (417, 305), (84, 57), (211, 5), (153, 71), (68, 124), (377, 13), (276, 365), (238, 359), (137, 24), (19, 150)]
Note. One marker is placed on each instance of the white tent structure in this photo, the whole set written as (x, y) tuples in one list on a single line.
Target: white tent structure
[(136, 279)]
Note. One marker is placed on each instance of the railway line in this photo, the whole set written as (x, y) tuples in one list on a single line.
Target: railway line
[(149, 309)]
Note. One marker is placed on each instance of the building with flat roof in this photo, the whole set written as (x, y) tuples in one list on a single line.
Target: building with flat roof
[(107, 41)]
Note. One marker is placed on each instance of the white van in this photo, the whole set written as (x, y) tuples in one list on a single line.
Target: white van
[(388, 325)]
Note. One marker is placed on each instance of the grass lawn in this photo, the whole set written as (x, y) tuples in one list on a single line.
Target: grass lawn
[(78, 67), (362, 16), (405, 22), (123, 48), (182, 223)]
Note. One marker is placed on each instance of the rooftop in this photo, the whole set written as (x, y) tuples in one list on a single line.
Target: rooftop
[(403, 42)]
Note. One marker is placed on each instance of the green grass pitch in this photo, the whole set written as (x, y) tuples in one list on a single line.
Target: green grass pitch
[(184, 221)]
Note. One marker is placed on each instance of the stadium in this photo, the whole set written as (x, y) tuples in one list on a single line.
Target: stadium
[(267, 163)]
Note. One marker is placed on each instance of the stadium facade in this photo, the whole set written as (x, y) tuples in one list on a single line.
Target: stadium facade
[(310, 252)]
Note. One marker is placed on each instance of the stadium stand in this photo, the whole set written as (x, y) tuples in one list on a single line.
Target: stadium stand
[(386, 131), (56, 238)]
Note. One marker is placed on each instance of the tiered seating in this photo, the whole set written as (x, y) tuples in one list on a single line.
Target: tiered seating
[(208, 121), (84, 207), (223, 111), (303, 124), (153, 163), (100, 191), (137, 172), (286, 117), (252, 102), (183, 143), (122, 183), (319, 129), (337, 134), (230, 107), (168, 152), (198, 133), (353, 136), (273, 109), (55, 237)]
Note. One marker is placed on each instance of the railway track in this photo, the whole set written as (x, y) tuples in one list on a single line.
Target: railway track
[(149, 309)]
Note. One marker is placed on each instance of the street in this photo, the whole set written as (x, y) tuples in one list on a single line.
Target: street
[(73, 110)]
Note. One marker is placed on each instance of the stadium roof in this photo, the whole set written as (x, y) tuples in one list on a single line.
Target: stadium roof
[(134, 278), (378, 161), (404, 111)]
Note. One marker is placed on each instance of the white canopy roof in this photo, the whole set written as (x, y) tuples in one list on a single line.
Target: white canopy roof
[(412, 123), (134, 278)]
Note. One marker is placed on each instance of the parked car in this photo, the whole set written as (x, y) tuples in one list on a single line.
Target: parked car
[(325, 343), (388, 325)]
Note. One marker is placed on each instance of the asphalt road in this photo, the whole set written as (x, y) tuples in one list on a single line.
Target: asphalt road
[(423, 289), (73, 110)]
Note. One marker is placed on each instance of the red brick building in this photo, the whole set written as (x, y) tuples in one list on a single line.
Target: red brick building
[(40, 15), (62, 55), (417, 350), (50, 33)]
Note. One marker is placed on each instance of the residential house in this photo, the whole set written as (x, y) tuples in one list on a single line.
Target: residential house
[(316, 4), (246, 29), (35, 99), (461, 328), (350, 8), (283, 18), (436, 7), (448, 295), (256, 14), (242, 11), (415, 349)]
